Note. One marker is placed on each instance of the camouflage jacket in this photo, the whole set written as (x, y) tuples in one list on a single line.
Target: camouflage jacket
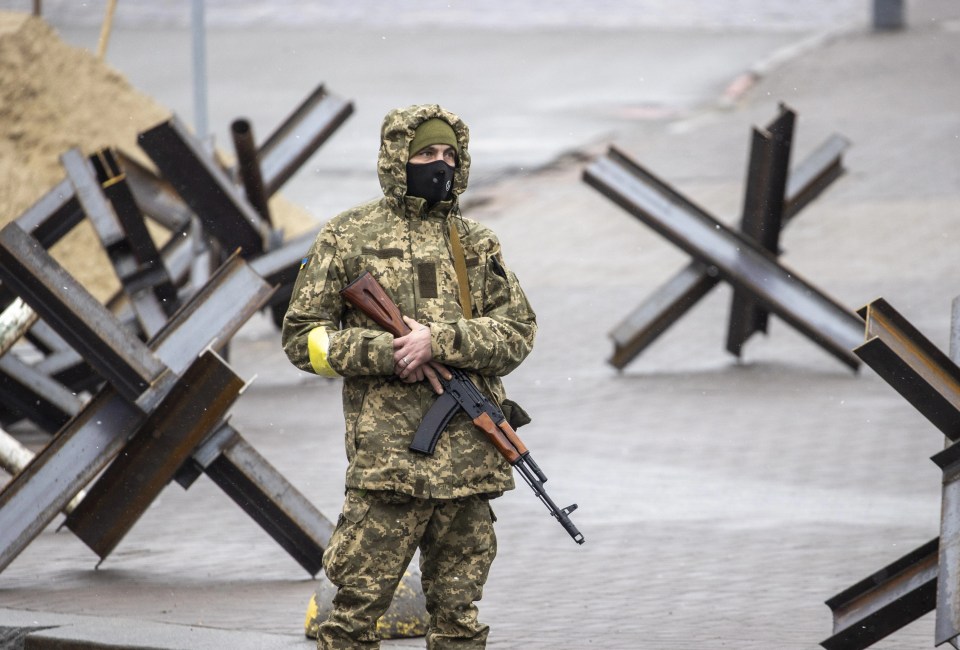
[(407, 248)]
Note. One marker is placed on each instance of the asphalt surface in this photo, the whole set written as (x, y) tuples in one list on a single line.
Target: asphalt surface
[(722, 500)]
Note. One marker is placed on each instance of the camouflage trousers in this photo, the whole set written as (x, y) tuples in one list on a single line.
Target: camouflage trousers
[(375, 539)]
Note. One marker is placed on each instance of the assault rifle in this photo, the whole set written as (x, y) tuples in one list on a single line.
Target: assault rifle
[(459, 392)]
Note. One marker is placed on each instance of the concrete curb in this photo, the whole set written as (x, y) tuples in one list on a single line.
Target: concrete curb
[(45, 631), (742, 83)]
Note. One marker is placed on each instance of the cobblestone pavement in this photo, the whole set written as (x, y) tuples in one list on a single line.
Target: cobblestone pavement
[(722, 501)]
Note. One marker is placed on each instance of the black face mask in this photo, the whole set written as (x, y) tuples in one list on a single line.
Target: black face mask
[(431, 182)]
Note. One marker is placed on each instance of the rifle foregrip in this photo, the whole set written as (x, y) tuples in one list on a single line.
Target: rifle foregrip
[(485, 423)]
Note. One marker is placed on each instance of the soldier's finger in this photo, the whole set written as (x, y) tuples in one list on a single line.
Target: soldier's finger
[(431, 375), (441, 370)]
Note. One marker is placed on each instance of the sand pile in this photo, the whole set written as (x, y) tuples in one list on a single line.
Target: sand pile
[(54, 97)]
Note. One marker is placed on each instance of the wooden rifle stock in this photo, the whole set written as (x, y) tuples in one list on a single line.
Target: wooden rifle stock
[(366, 294)]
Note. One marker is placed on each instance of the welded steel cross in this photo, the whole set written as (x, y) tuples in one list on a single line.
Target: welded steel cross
[(747, 258)]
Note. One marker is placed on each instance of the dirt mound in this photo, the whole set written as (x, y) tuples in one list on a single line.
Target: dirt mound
[(54, 97)]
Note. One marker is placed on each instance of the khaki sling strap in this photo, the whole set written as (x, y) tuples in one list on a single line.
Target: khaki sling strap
[(460, 265)]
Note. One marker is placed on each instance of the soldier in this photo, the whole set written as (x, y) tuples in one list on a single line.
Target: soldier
[(466, 309)]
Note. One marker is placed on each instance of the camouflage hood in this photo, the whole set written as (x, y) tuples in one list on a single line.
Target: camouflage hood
[(395, 136)]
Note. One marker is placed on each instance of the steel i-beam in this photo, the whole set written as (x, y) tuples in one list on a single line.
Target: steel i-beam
[(263, 493), (150, 273), (948, 583), (30, 393), (121, 248), (53, 216), (300, 135), (205, 187), (190, 411), (881, 604), (912, 365), (155, 197), (762, 218)]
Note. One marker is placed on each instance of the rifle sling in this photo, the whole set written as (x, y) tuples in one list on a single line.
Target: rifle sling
[(436, 420), (460, 265)]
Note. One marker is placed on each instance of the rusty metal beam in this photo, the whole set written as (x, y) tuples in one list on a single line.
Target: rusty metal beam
[(264, 494), (85, 446), (766, 187), (738, 259), (151, 272), (299, 136), (31, 500), (61, 362), (248, 167), (912, 365), (28, 393), (205, 187), (120, 246), (224, 302), (948, 590), (886, 601), (762, 217), (922, 581), (815, 174), (77, 316), (189, 412), (54, 215), (661, 310), (155, 196)]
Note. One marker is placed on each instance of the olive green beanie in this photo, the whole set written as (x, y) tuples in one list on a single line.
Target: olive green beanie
[(433, 131)]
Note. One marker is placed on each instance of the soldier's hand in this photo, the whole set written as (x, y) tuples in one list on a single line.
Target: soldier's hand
[(412, 356)]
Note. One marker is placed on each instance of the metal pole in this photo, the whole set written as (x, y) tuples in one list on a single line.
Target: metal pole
[(955, 331), (887, 14), (14, 322), (199, 69), (14, 457)]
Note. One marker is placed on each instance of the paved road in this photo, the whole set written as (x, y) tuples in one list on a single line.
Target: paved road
[(722, 502), (528, 96)]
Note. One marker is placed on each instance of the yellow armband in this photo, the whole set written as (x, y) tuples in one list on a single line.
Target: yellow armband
[(318, 345)]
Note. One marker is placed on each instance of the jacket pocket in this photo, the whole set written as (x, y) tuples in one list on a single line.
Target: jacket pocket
[(357, 407)]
